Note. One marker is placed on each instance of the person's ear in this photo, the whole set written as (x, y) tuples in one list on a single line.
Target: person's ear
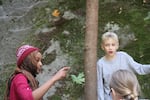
[(113, 92)]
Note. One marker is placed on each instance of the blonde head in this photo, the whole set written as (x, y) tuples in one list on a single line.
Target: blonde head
[(125, 84), (111, 35)]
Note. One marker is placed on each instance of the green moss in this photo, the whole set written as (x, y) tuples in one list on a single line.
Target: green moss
[(54, 97), (69, 90), (1, 2), (145, 87), (4, 75), (49, 57)]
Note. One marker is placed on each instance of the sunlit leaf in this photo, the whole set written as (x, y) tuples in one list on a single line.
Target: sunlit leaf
[(78, 79), (56, 13)]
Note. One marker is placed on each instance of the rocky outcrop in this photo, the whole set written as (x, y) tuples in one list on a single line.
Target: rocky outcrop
[(16, 23)]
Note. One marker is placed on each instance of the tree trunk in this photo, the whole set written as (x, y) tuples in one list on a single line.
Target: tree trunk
[(91, 50)]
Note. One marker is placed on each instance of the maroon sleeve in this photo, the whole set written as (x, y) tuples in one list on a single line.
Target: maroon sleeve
[(21, 88)]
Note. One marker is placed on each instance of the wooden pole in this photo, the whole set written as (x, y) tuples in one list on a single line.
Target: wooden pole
[(90, 57)]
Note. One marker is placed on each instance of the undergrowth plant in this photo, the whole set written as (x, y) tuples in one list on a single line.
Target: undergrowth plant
[(79, 79)]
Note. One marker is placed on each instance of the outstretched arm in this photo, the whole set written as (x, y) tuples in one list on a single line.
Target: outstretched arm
[(39, 92), (141, 69)]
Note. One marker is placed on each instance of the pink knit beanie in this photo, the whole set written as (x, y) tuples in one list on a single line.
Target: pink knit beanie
[(23, 52)]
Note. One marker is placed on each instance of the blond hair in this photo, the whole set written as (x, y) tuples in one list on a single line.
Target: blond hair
[(125, 83), (112, 35)]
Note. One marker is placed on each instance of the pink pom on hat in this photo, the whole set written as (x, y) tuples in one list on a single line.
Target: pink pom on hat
[(23, 52)]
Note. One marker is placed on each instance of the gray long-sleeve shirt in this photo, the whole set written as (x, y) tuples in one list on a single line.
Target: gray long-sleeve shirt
[(105, 69)]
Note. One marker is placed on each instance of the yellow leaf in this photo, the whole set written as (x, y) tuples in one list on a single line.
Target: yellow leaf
[(56, 13)]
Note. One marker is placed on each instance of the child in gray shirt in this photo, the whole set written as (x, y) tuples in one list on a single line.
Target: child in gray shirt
[(113, 61)]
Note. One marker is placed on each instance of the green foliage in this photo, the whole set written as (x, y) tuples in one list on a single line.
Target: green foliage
[(145, 87), (54, 97), (147, 17), (78, 79), (1, 2), (40, 18), (72, 44), (4, 75), (71, 4)]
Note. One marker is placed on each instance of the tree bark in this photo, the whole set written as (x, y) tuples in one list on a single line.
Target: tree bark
[(91, 50)]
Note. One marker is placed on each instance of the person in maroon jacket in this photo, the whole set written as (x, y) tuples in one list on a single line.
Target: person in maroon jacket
[(22, 84)]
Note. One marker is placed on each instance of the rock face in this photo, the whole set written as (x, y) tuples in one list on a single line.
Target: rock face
[(16, 23), (50, 69)]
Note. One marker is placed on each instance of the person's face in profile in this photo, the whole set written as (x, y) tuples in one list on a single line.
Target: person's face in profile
[(115, 95)]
